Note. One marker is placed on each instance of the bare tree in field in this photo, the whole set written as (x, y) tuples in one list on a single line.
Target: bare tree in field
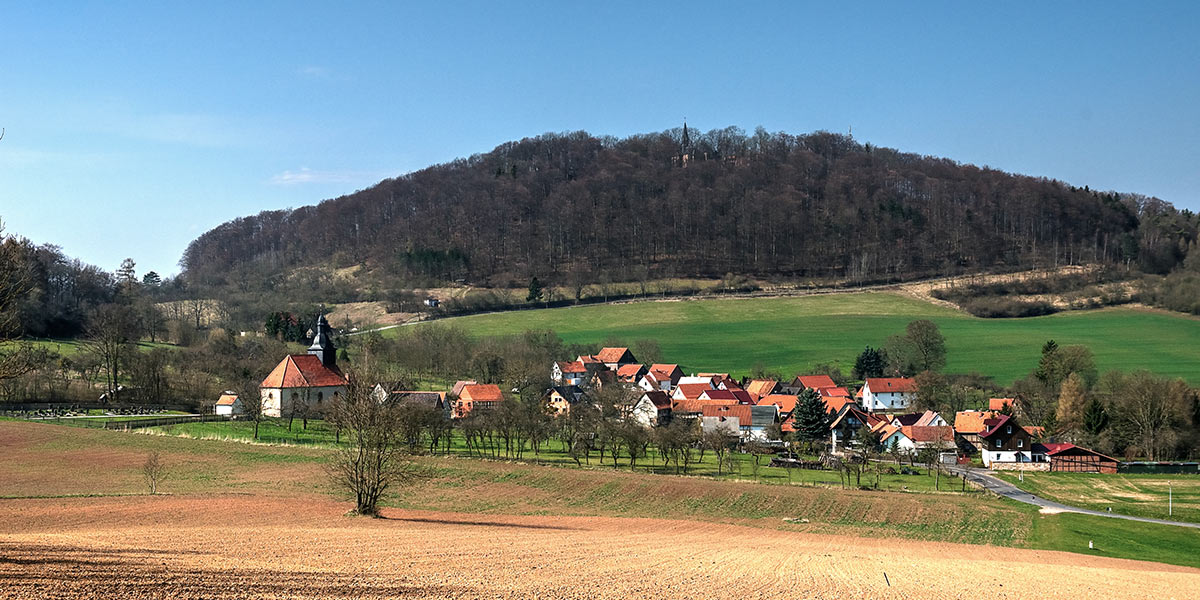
[(372, 459), (17, 359), (154, 470)]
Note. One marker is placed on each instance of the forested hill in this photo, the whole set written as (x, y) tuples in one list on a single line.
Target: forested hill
[(571, 207)]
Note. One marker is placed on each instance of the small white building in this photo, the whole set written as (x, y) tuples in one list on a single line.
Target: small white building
[(229, 404), (888, 393)]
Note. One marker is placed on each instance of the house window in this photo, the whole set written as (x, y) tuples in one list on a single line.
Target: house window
[(1009, 429), (320, 397), (997, 443), (1020, 443)]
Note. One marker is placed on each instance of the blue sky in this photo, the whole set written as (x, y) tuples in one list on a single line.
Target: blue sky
[(132, 128)]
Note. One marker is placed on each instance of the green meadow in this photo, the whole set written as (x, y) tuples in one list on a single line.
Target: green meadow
[(793, 334)]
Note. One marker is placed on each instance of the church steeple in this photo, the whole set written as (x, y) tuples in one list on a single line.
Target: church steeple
[(322, 344), (686, 143)]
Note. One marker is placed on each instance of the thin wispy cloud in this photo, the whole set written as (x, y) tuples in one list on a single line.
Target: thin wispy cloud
[(314, 72), (304, 175)]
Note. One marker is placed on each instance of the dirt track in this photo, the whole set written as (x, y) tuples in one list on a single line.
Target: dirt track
[(256, 547)]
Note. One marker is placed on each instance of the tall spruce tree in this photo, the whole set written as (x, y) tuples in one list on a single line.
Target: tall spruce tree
[(870, 363), (811, 420)]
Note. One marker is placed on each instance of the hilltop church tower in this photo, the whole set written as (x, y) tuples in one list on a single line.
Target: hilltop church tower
[(685, 147)]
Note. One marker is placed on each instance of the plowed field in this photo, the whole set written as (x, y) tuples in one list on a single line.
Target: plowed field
[(257, 547)]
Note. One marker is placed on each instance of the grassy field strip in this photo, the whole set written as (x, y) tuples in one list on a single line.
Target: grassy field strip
[(793, 334), (49, 460), (1135, 495)]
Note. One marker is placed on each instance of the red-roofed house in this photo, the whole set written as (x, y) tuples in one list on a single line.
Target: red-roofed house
[(888, 393), (304, 382), (1006, 444), (739, 396), (653, 408), (614, 358), (568, 373), (480, 396), (690, 391), (969, 424), (631, 373), (761, 388), (672, 372), (815, 382)]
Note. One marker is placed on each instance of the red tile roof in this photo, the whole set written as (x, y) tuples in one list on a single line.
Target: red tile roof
[(834, 404), (835, 392), (921, 434), (572, 367), (761, 387), (898, 385), (692, 391), (999, 403), (303, 370), (611, 355), (629, 372), (971, 421), (742, 413), (697, 406), (816, 382), (227, 400), (485, 392), (785, 402)]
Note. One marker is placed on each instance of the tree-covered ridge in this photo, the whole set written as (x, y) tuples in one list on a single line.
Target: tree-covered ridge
[(570, 207)]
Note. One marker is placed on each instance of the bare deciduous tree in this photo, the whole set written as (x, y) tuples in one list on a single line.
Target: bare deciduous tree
[(155, 471), (373, 459)]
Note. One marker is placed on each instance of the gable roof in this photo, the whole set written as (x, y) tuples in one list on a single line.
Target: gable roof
[(697, 406), (893, 385), (848, 411), (303, 370), (669, 371), (459, 385), (815, 382), (924, 434), (613, 355), (993, 425), (1065, 449), (660, 399), (969, 422), (761, 387), (432, 399), (227, 399), (629, 372), (739, 396), (1000, 403), (692, 391), (571, 367), (786, 403), (485, 392), (834, 404), (907, 419), (835, 392)]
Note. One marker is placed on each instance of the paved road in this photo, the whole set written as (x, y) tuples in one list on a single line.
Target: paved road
[(1000, 487)]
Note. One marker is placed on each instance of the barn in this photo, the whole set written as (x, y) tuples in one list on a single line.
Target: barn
[(1070, 458)]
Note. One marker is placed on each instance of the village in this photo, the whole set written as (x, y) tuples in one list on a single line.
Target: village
[(759, 415)]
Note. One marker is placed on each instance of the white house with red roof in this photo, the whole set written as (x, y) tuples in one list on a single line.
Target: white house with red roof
[(888, 393), (303, 382)]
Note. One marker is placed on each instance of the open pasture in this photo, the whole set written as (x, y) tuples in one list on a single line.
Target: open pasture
[(793, 334)]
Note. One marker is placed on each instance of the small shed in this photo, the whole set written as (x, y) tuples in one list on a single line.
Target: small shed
[(229, 404), (1070, 458)]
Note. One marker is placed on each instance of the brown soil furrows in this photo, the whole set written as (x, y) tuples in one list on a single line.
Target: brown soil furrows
[(266, 547)]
